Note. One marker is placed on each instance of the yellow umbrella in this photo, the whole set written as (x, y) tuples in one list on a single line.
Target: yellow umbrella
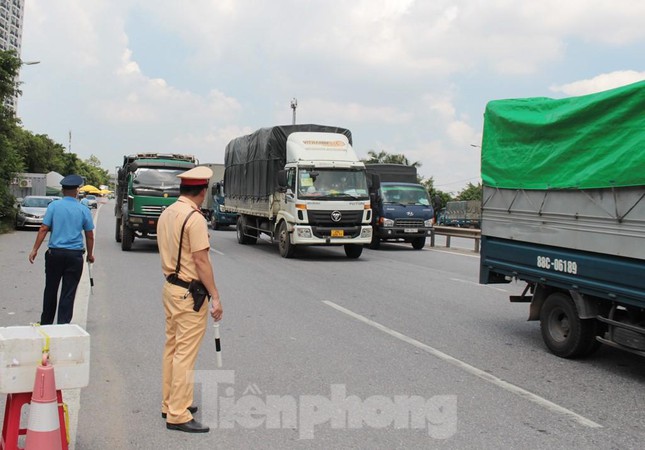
[(89, 189), (104, 191)]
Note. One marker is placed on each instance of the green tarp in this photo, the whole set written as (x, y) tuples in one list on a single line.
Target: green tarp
[(586, 142)]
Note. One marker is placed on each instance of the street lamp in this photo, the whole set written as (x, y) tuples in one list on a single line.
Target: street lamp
[(294, 105)]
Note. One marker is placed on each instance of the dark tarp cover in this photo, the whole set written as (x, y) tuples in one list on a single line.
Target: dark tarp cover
[(586, 142), (253, 161), (393, 173)]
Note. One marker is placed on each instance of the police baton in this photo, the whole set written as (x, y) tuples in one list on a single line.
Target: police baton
[(89, 270), (218, 347)]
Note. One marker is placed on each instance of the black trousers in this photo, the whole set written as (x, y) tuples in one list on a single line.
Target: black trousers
[(65, 265)]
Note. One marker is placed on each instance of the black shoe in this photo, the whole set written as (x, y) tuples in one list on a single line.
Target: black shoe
[(189, 427), (192, 409)]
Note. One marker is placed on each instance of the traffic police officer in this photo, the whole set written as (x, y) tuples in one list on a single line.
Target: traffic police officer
[(185, 327), (67, 219)]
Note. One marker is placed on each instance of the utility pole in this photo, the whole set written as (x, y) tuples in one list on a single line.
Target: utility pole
[(294, 105), (69, 145)]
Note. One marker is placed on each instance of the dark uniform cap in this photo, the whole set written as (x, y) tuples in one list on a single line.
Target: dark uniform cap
[(71, 181), (198, 176)]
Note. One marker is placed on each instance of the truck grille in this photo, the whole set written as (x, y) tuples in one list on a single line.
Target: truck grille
[(408, 223), (323, 218), (151, 209)]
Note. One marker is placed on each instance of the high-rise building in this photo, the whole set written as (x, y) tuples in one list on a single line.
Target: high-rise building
[(11, 18)]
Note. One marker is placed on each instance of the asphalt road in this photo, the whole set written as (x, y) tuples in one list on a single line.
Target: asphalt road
[(398, 349)]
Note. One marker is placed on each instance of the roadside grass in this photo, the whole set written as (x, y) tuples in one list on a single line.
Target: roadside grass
[(6, 225)]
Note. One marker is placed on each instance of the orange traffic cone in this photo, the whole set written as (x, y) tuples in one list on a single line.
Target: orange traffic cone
[(43, 429)]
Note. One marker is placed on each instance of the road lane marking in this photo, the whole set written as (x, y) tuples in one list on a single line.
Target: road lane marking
[(471, 369), (459, 280), (217, 251), (435, 249)]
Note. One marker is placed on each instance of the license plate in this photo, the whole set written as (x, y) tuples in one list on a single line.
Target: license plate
[(410, 230), (337, 233)]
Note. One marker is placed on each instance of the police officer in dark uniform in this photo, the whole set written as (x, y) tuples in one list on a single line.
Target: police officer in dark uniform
[(67, 220)]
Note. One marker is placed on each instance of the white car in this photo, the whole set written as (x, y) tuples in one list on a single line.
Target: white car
[(91, 201), (31, 210)]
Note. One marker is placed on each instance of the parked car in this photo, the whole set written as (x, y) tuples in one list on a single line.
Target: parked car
[(91, 201), (31, 210)]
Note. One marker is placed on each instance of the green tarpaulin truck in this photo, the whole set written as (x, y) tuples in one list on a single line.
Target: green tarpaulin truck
[(564, 210), (147, 183)]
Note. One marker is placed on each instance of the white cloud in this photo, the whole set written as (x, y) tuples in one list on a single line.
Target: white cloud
[(600, 82), (405, 76)]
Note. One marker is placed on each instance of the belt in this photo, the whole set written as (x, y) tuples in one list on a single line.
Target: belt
[(177, 281), (66, 250)]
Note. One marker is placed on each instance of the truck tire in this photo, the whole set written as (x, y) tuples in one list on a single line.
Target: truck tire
[(563, 331), (243, 232), (127, 237), (117, 231), (419, 243), (287, 249), (353, 251)]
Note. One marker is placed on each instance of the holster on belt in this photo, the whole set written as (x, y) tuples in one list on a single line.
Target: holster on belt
[(199, 293)]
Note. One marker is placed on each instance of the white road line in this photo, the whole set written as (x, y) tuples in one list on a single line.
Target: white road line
[(471, 369), (459, 280), (435, 249), (217, 251)]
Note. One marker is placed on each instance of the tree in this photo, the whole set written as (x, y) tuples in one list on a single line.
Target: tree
[(10, 160), (384, 157), (471, 192)]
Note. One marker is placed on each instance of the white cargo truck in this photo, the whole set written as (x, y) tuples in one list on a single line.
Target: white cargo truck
[(300, 185)]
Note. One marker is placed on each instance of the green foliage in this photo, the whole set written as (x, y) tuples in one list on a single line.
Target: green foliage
[(384, 157), (22, 151), (471, 192)]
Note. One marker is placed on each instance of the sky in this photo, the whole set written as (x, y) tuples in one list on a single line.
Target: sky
[(405, 76)]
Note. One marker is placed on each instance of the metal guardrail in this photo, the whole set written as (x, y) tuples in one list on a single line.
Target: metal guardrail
[(448, 232)]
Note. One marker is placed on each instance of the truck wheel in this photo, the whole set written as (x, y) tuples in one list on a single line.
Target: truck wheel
[(287, 249), (563, 331), (244, 235), (127, 236), (375, 242), (353, 251), (419, 243), (117, 231)]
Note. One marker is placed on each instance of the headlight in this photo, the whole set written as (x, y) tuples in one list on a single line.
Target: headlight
[(427, 223), (304, 233), (388, 222)]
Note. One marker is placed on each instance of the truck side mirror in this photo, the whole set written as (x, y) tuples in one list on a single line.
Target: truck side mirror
[(373, 182), (282, 180)]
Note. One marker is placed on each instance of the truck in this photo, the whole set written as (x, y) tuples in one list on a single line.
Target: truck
[(24, 184), (401, 208), (564, 212), (213, 202), (147, 184), (300, 185), (461, 213)]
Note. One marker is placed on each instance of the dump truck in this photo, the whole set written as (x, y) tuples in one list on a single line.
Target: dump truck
[(300, 185), (147, 184), (564, 211), (401, 209)]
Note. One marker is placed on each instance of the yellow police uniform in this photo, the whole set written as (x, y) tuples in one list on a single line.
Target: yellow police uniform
[(185, 328)]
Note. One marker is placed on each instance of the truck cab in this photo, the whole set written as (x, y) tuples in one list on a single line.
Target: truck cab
[(402, 210), (147, 184)]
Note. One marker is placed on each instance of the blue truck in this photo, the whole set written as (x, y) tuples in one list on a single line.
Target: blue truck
[(564, 211), (401, 208), (214, 201)]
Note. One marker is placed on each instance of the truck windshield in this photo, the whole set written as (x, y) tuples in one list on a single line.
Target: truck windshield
[(327, 184), (405, 195), (147, 181)]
